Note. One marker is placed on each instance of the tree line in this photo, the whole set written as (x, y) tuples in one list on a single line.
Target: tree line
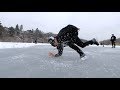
[(108, 42), (18, 34)]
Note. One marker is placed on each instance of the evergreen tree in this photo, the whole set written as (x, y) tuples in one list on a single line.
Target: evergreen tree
[(11, 31), (21, 27), (2, 30), (17, 30)]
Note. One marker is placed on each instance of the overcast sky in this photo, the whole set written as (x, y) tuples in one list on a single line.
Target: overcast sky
[(92, 24)]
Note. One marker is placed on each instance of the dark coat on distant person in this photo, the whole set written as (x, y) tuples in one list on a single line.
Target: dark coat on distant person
[(113, 38)]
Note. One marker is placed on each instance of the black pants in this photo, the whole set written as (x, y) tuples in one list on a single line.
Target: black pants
[(113, 44), (77, 42)]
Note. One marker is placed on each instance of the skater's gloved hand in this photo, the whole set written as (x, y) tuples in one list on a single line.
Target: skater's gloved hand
[(51, 54)]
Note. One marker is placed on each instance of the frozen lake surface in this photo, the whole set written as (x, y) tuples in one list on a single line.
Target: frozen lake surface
[(34, 62)]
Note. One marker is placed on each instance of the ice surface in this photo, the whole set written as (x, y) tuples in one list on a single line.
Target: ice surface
[(34, 62)]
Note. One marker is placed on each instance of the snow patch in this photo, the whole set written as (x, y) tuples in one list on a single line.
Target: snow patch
[(4, 45)]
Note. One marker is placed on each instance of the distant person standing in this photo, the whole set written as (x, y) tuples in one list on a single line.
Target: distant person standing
[(113, 39)]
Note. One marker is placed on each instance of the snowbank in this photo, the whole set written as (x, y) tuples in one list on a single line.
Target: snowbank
[(102, 46), (4, 45)]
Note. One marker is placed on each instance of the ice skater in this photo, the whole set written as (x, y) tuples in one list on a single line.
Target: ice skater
[(113, 40), (68, 36)]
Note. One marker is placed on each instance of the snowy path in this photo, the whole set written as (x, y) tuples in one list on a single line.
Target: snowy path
[(33, 62)]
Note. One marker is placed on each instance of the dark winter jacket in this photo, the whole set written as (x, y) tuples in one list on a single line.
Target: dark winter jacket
[(113, 38), (66, 35)]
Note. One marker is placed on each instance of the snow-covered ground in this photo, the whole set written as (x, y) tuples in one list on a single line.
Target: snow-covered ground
[(29, 60), (4, 45)]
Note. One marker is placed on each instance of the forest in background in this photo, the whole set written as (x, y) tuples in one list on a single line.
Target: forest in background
[(18, 34)]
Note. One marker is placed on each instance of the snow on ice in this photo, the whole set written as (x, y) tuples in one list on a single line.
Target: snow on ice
[(4, 45)]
